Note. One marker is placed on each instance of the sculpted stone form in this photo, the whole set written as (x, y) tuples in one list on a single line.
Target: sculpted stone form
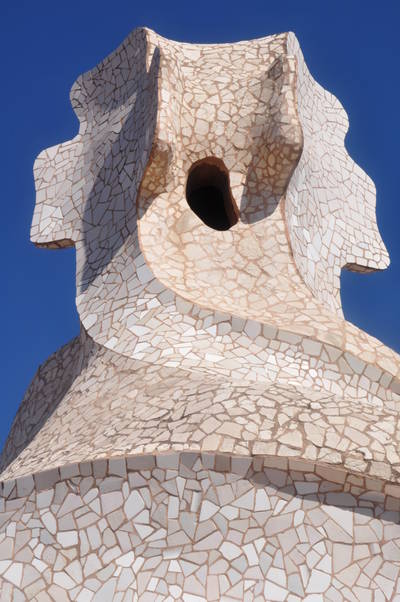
[(217, 431)]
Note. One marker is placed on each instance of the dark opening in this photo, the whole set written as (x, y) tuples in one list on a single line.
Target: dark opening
[(208, 194)]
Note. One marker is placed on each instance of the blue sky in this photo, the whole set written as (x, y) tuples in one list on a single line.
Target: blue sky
[(351, 48)]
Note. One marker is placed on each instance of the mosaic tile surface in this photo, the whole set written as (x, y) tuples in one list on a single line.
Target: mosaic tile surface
[(197, 527), (217, 431)]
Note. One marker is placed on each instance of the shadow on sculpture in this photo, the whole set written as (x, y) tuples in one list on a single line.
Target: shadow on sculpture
[(100, 243)]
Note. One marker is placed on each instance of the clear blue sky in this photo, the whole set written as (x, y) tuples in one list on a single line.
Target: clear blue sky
[(351, 48)]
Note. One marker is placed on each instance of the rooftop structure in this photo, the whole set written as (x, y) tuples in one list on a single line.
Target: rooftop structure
[(218, 431)]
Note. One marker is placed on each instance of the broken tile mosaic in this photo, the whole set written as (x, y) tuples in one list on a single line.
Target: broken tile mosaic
[(218, 431)]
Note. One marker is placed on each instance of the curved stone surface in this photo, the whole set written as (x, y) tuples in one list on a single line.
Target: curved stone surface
[(217, 431), (196, 527), (105, 405), (330, 201), (139, 268)]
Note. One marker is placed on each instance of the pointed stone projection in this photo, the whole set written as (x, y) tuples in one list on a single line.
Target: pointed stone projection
[(217, 431)]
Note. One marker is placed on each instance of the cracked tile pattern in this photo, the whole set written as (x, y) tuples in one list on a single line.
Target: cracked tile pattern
[(197, 527), (217, 431), (330, 201), (144, 265), (160, 409)]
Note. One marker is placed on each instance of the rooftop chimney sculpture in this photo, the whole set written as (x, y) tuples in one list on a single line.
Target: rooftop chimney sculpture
[(218, 431)]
